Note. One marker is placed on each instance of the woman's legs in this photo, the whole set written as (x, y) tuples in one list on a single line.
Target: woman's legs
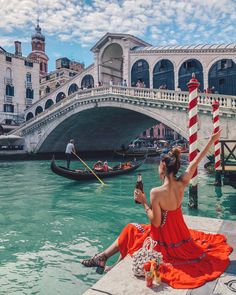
[(99, 260)]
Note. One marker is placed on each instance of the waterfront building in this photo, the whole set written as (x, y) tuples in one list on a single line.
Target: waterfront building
[(160, 131), (65, 70), (19, 86)]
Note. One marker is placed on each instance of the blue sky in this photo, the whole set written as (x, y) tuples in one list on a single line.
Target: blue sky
[(72, 27)]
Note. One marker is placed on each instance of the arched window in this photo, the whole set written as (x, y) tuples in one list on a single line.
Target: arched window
[(9, 90), (87, 82), (222, 77), (8, 73), (29, 93), (48, 103), (151, 132), (57, 85), (38, 110), (140, 72), (185, 73), (163, 75), (47, 90), (29, 116), (41, 66), (60, 96), (28, 77), (73, 88)]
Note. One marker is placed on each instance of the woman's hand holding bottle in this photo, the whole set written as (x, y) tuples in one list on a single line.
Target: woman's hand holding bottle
[(139, 196)]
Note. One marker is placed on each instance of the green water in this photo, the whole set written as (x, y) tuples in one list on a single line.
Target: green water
[(48, 223)]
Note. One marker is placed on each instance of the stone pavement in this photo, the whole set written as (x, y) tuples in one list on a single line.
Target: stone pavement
[(121, 281)]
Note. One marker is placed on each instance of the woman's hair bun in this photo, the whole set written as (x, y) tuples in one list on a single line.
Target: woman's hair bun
[(176, 151)]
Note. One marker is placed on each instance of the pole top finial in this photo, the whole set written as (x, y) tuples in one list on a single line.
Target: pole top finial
[(193, 83)]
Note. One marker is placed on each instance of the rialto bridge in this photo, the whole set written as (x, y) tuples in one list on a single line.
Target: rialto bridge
[(104, 118)]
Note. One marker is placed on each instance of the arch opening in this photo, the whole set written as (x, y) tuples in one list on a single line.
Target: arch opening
[(48, 103), (140, 74), (87, 82), (111, 66), (222, 77), (185, 73), (38, 110), (29, 116), (73, 88), (163, 75), (60, 96)]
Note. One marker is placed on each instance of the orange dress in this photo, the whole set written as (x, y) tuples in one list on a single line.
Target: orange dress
[(191, 258)]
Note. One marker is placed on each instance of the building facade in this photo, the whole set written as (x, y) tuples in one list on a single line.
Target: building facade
[(160, 131), (19, 86), (65, 70)]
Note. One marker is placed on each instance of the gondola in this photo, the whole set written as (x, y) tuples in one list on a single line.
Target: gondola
[(86, 175)]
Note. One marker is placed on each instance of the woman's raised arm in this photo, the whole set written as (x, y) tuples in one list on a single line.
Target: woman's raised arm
[(186, 177)]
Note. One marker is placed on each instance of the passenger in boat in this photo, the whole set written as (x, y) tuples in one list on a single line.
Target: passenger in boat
[(191, 258), (126, 165), (70, 148), (105, 167), (98, 166)]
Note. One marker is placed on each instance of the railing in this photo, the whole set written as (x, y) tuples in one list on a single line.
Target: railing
[(230, 159), (8, 80), (156, 94), (8, 99), (180, 97), (28, 84), (28, 101)]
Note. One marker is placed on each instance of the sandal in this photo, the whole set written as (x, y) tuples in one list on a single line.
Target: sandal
[(98, 260)]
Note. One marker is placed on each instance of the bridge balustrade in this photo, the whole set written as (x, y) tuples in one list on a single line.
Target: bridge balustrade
[(207, 99)]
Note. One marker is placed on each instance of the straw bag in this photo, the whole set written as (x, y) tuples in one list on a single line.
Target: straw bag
[(143, 255)]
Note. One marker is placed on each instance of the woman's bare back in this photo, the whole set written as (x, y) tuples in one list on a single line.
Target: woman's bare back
[(169, 195)]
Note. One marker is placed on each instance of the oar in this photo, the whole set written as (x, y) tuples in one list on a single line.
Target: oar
[(89, 168)]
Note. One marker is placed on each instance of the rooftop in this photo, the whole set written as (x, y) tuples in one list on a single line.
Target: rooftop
[(187, 47)]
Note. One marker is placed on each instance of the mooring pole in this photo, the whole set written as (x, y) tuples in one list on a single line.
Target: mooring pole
[(193, 128), (216, 123)]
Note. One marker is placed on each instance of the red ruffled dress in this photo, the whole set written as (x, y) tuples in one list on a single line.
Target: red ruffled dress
[(191, 258)]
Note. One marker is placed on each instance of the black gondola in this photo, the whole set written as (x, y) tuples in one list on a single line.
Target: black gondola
[(85, 174)]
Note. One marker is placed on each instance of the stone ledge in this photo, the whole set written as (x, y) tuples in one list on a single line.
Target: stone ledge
[(121, 281)]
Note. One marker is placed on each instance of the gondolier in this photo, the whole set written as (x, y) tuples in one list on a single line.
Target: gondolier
[(70, 148)]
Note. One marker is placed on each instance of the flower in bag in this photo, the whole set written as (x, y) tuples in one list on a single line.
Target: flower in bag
[(145, 254)]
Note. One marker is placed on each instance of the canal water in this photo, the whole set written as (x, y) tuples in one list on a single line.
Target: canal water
[(48, 223)]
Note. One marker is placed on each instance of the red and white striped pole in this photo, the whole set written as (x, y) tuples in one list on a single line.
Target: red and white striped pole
[(216, 124), (193, 129)]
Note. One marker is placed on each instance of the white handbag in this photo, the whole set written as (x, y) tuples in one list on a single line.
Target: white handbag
[(143, 255)]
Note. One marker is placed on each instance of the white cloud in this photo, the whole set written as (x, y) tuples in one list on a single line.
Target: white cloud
[(191, 21), (6, 41)]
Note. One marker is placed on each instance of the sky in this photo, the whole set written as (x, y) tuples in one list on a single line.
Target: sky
[(72, 27)]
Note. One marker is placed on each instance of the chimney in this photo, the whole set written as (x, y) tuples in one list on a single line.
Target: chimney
[(18, 51)]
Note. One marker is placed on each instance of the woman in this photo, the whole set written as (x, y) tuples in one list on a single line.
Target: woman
[(190, 257)]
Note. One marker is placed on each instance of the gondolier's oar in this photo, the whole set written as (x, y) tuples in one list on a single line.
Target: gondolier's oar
[(89, 168)]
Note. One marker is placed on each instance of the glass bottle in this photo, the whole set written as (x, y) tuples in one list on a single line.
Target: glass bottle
[(139, 185)]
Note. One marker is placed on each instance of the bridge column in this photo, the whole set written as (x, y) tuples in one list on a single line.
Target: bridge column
[(96, 67), (151, 77), (193, 146), (176, 79)]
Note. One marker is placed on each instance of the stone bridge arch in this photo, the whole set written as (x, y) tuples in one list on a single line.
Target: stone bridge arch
[(104, 126)]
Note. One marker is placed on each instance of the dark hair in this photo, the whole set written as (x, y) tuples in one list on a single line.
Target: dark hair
[(172, 161)]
